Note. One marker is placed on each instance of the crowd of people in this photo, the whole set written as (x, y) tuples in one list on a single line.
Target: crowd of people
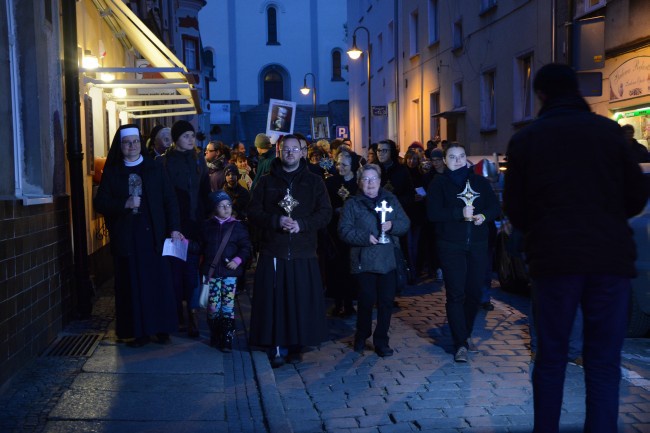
[(318, 220)]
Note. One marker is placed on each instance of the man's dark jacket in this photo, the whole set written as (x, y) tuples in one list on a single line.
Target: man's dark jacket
[(570, 187), (313, 211)]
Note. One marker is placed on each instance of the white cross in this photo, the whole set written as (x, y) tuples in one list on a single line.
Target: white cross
[(383, 210)]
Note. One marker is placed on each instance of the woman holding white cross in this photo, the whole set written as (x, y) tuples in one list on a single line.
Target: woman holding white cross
[(371, 223)]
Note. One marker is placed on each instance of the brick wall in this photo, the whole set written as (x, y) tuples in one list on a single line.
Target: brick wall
[(35, 279)]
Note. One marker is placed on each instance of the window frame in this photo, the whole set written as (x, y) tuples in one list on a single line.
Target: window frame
[(488, 100), (523, 95), (339, 76), (414, 47), (272, 27), (190, 41)]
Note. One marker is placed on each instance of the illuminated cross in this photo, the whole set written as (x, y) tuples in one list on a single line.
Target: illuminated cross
[(383, 210)]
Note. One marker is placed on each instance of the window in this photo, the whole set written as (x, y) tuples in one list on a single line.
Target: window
[(433, 21), (458, 94), (434, 108), (416, 119), (336, 65), (458, 34), (523, 88), (392, 121), (191, 52), (272, 26), (379, 61), (391, 40), (487, 5), (413, 34), (586, 6), (488, 101)]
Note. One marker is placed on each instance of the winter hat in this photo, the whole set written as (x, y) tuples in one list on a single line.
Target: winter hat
[(556, 80), (156, 129), (231, 168), (179, 128), (436, 153), (262, 141), (217, 197)]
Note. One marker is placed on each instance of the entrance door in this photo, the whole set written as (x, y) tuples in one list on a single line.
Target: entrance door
[(273, 86)]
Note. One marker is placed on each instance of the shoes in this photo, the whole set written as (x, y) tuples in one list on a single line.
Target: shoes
[(471, 347), (227, 334), (138, 342), (384, 351), (487, 306), (163, 338), (578, 361), (461, 355), (277, 361)]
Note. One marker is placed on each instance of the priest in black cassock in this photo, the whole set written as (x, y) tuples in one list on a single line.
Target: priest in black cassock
[(288, 205)]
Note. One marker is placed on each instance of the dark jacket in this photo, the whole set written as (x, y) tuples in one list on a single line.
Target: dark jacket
[(160, 200), (188, 174), (238, 245), (570, 187), (263, 165), (359, 220), (397, 180), (240, 199), (313, 211), (445, 209)]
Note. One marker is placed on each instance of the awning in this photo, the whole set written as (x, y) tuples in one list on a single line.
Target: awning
[(460, 111), (167, 84)]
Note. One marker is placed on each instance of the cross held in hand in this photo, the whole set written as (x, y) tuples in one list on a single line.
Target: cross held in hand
[(383, 210)]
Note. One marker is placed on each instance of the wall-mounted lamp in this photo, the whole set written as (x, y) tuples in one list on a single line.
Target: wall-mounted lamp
[(119, 92), (107, 77), (89, 61), (354, 53)]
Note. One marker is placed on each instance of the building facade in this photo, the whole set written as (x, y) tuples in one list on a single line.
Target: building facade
[(73, 72), (464, 70), (264, 50)]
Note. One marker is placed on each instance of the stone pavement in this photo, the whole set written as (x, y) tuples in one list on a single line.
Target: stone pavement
[(190, 387)]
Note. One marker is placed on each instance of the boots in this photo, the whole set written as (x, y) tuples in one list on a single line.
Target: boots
[(215, 331), (192, 323), (227, 335)]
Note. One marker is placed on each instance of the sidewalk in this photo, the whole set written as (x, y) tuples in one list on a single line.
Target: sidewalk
[(189, 386)]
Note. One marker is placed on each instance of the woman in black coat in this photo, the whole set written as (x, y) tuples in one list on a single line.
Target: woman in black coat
[(140, 209), (373, 263), (461, 240)]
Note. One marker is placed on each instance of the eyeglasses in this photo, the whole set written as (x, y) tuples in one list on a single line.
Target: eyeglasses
[(383, 150), (291, 150), (130, 143), (370, 179), (224, 206)]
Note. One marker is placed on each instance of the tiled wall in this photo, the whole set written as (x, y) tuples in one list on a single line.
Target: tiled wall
[(36, 268)]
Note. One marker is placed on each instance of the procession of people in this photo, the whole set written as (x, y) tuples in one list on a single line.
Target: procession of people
[(313, 221)]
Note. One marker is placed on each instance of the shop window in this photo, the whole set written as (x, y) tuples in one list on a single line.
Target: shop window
[(488, 101), (191, 52), (272, 26)]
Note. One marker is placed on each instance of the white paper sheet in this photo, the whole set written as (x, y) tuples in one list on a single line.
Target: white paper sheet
[(420, 190), (176, 249)]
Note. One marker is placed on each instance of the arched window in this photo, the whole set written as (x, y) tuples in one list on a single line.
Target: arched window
[(272, 26), (273, 86), (336, 66)]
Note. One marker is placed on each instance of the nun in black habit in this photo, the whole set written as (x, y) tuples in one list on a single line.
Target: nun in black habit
[(140, 209)]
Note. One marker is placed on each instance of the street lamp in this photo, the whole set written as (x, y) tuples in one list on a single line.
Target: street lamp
[(305, 90), (354, 53)]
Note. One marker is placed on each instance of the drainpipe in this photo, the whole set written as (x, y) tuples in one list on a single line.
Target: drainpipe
[(397, 62), (82, 283)]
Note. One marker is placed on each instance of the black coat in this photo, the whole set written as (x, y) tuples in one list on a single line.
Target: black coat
[(397, 180), (188, 174), (570, 187), (238, 245), (312, 213), (161, 205), (446, 210)]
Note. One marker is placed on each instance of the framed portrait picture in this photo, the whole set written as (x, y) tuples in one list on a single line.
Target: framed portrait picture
[(320, 128), (281, 117)]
